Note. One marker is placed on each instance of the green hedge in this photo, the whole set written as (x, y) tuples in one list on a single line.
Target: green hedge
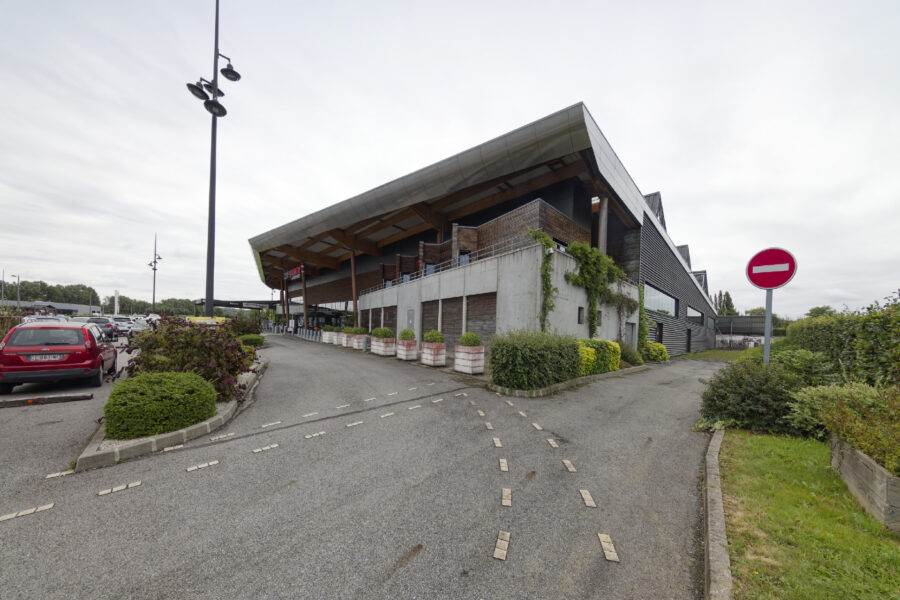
[(469, 339), (251, 339), (433, 337), (607, 355), (154, 403), (407, 334), (808, 403), (528, 360), (382, 332), (655, 352), (750, 395), (872, 428), (630, 355)]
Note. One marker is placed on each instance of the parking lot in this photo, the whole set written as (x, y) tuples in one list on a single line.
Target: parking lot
[(355, 476)]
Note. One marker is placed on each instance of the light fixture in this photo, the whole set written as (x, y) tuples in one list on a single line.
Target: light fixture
[(214, 108), (230, 74), (197, 90), (209, 88)]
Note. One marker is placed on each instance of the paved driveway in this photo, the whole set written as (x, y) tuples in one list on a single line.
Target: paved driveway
[(400, 497)]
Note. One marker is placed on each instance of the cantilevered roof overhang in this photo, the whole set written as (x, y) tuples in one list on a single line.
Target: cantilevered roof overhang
[(560, 146)]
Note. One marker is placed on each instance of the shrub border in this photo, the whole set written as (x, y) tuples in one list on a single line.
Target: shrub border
[(92, 457), (564, 385)]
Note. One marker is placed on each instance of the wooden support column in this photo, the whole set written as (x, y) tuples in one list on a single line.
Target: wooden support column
[(303, 284), (353, 285), (602, 224)]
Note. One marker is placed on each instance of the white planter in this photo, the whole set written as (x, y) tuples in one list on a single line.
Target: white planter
[(327, 337), (346, 340), (406, 350), (434, 354), (468, 359), (359, 341), (384, 346)]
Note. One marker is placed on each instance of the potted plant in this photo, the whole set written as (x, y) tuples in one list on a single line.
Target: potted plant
[(327, 334), (406, 345), (359, 338), (383, 342), (469, 354), (347, 337), (434, 350)]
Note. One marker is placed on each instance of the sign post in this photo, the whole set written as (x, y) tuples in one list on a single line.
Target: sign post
[(769, 269)]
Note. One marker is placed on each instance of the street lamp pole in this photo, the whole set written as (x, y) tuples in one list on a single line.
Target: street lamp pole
[(152, 264)]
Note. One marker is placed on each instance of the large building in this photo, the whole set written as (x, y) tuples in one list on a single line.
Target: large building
[(447, 247)]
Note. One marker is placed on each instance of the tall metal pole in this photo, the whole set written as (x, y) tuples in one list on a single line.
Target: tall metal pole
[(154, 274), (211, 227), (768, 330), (3, 287), (18, 283)]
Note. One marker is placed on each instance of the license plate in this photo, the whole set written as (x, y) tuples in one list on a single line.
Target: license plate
[(40, 357)]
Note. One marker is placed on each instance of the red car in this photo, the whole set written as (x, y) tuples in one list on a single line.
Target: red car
[(44, 351)]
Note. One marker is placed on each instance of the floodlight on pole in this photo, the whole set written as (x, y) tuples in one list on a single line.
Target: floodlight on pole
[(153, 265)]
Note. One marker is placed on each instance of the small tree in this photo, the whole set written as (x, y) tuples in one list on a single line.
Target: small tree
[(821, 311)]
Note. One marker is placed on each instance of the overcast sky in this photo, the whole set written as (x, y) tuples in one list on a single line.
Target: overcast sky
[(762, 124)]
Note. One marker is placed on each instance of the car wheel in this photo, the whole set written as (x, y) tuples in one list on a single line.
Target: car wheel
[(97, 380), (6, 388), (112, 368)]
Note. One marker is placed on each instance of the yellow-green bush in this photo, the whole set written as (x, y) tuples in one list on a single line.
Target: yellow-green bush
[(587, 356), (656, 352), (607, 355)]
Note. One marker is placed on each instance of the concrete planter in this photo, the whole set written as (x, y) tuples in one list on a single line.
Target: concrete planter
[(327, 337), (406, 350), (871, 484), (338, 338), (434, 354), (346, 340), (468, 359), (384, 346), (359, 341)]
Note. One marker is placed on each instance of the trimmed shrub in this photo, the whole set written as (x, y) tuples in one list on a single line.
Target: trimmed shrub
[(608, 355), (154, 403), (469, 339), (360, 331), (779, 331), (348, 330), (528, 360), (407, 335), (812, 367), (655, 352), (750, 395), (382, 332), (251, 339), (434, 337), (755, 354), (874, 430), (630, 355), (244, 324), (588, 357), (806, 408)]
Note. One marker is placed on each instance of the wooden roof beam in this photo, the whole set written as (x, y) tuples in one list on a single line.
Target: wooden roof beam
[(310, 257), (434, 218), (354, 242)]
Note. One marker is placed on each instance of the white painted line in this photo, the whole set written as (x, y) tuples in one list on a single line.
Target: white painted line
[(134, 484), (411, 389), (488, 426), (368, 399), (463, 394), (221, 437), (503, 535), (44, 507), (264, 448), (213, 462), (522, 414), (778, 268), (168, 448), (60, 474), (256, 450), (552, 443), (312, 414), (438, 400), (538, 427), (569, 465), (387, 415), (502, 545), (191, 469), (392, 394), (104, 492), (26, 512), (510, 403), (497, 443), (342, 406), (480, 413), (432, 383), (9, 516), (609, 550), (588, 500), (314, 435), (414, 407), (270, 424), (354, 424), (504, 466), (506, 497), (119, 488)]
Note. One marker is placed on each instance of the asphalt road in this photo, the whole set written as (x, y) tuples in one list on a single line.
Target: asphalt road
[(405, 503)]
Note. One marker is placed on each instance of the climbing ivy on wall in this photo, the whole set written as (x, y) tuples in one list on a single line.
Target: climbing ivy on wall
[(595, 272), (643, 325), (548, 291)]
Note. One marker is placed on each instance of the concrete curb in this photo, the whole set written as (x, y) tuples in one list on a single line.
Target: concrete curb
[(93, 457), (45, 400), (716, 564), (564, 385)]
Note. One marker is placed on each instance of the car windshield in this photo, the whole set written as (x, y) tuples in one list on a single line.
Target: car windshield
[(46, 337), (98, 320)]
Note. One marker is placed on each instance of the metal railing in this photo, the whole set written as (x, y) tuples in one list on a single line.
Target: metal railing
[(510, 244)]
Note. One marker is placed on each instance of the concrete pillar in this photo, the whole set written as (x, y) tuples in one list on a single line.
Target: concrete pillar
[(464, 302), (353, 286), (602, 224), (303, 284)]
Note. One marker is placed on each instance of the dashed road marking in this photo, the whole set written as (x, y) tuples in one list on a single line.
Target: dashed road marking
[(497, 443), (552, 443), (488, 426), (176, 447), (504, 466), (438, 400), (393, 394), (414, 407), (510, 403), (27, 511), (522, 414), (538, 427), (270, 424), (202, 466), (354, 424), (387, 415), (342, 406), (472, 403), (463, 394), (608, 549), (411, 389), (368, 399), (216, 438), (569, 465), (506, 497), (480, 413), (264, 448), (588, 500), (502, 545), (312, 414), (60, 474), (432, 383), (314, 435), (119, 488)]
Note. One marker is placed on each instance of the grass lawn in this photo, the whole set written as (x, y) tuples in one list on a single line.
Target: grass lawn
[(794, 531)]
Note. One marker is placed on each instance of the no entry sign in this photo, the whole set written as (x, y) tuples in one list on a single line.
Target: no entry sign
[(771, 268)]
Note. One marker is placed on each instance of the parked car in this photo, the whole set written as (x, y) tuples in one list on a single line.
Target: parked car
[(45, 351), (138, 325), (124, 325), (107, 326), (44, 318)]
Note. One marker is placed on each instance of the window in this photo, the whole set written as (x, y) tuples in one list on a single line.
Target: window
[(388, 283), (688, 341), (429, 269), (659, 301), (580, 315), (659, 333), (404, 277), (711, 323), (560, 245), (463, 257), (694, 316)]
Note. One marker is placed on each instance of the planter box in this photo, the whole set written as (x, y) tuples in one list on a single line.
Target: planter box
[(384, 346), (338, 339), (327, 337), (871, 484), (469, 359), (406, 350), (346, 340), (434, 354), (359, 341)]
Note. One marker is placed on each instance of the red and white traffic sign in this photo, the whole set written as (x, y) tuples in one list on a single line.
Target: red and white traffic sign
[(771, 268)]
